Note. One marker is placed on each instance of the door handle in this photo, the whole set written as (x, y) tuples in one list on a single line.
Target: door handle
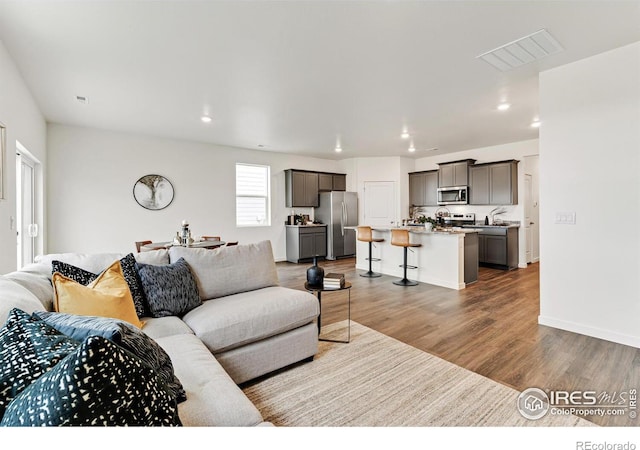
[(32, 230)]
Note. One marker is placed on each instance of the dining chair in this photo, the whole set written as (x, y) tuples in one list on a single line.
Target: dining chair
[(140, 244)]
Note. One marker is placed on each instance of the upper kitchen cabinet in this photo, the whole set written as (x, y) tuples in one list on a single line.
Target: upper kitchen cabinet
[(454, 173), (494, 183), (423, 188), (301, 188), (332, 182)]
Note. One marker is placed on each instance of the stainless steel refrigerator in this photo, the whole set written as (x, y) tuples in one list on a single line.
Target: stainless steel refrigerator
[(339, 210)]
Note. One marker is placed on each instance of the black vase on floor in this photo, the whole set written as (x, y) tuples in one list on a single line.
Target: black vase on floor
[(315, 273)]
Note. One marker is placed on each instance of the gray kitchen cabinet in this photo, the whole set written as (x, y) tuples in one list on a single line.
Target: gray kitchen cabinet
[(339, 182), (332, 182), (305, 242), (454, 173), (325, 182), (301, 188), (494, 183), (423, 188), (498, 247), (479, 185)]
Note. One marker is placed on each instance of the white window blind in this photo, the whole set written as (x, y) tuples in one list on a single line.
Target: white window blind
[(252, 195)]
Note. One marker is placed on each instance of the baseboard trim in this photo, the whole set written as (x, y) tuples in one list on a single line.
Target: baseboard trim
[(599, 333)]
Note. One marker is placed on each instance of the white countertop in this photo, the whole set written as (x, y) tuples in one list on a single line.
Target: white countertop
[(422, 230), (307, 226)]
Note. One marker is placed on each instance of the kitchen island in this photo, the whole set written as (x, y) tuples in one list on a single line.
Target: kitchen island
[(446, 258)]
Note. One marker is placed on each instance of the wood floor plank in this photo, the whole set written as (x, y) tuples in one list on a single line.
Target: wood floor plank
[(491, 328)]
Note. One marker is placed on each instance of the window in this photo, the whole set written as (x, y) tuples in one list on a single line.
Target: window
[(252, 195)]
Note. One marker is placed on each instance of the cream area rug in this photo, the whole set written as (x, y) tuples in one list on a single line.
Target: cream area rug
[(376, 380)]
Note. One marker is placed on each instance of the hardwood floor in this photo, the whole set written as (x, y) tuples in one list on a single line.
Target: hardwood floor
[(490, 328)]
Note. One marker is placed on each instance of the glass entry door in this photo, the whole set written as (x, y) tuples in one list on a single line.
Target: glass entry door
[(27, 224)]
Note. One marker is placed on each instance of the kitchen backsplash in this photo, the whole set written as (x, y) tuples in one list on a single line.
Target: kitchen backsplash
[(510, 214)]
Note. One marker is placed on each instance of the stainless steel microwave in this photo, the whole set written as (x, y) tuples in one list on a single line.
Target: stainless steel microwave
[(453, 195)]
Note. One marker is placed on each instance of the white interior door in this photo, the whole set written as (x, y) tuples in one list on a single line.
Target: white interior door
[(26, 208), (528, 216), (379, 203)]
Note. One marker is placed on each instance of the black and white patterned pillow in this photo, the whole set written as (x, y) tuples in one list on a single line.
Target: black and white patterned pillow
[(125, 335), (171, 290), (28, 349), (100, 384), (129, 271), (77, 274)]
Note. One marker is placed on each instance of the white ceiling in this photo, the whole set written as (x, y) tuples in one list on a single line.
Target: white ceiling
[(295, 76)]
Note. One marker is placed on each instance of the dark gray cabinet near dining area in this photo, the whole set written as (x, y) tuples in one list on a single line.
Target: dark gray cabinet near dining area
[(305, 242)]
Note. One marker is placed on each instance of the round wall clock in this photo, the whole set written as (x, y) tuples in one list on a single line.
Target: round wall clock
[(153, 192)]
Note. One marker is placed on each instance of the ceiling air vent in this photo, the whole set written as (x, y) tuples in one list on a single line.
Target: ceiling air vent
[(522, 51)]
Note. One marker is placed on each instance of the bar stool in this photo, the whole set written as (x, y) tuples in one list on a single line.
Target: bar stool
[(365, 235), (400, 238)]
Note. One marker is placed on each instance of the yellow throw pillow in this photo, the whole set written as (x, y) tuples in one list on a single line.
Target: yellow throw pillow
[(106, 296)]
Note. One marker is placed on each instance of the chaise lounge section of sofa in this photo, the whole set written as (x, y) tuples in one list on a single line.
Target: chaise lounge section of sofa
[(247, 325)]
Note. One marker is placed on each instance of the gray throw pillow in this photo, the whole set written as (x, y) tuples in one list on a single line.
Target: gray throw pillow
[(171, 290)]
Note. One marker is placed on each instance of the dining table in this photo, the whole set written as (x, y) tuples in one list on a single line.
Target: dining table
[(210, 244)]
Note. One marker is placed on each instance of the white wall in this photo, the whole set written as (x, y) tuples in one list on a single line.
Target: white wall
[(515, 150), (590, 165), (24, 123), (394, 169), (92, 173)]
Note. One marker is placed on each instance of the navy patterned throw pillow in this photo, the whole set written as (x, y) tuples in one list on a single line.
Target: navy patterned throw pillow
[(117, 389), (171, 290), (84, 277), (125, 335), (28, 349)]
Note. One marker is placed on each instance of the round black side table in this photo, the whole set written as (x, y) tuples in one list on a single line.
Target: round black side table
[(318, 290)]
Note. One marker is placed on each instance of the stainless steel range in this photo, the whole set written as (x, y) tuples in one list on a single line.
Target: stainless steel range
[(458, 220)]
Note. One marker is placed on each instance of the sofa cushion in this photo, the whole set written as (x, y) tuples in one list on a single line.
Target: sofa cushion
[(14, 295), (129, 271), (122, 333), (28, 348), (213, 398), (117, 389), (229, 270), (170, 290), (157, 327), (232, 321), (92, 262), (37, 279), (158, 257), (106, 296)]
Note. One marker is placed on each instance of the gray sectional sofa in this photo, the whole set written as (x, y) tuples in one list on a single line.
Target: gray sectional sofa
[(247, 325)]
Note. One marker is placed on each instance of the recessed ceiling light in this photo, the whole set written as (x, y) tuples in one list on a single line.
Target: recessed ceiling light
[(412, 148), (405, 134), (338, 149), (206, 119), (535, 124), (503, 106)]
